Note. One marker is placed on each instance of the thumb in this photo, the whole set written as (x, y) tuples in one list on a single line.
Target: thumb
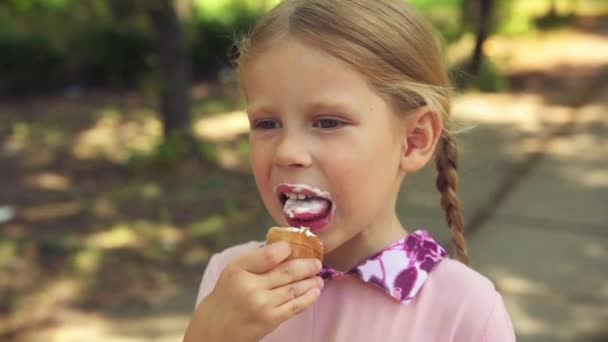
[(265, 258)]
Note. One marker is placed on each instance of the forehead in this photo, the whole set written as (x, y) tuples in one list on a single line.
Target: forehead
[(290, 69)]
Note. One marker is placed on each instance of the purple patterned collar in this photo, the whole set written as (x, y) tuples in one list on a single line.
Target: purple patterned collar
[(401, 268)]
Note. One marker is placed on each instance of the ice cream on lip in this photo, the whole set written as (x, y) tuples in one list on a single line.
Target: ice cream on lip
[(303, 201), (301, 189)]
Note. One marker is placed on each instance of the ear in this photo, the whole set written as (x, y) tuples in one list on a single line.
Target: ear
[(423, 130)]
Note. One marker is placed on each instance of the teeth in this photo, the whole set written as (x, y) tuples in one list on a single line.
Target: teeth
[(296, 196)]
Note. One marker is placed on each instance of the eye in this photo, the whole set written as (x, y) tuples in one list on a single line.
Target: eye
[(265, 124), (328, 123)]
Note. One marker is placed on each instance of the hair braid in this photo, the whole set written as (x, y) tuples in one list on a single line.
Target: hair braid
[(447, 184)]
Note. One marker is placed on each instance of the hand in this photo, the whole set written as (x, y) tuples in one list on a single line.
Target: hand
[(255, 294)]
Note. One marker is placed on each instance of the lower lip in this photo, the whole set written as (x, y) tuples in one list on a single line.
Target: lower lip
[(314, 225)]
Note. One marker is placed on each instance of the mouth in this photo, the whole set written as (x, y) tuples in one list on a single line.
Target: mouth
[(305, 206)]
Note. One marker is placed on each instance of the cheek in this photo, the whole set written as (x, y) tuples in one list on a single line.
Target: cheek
[(349, 172), (362, 173), (260, 167), (356, 159), (259, 157)]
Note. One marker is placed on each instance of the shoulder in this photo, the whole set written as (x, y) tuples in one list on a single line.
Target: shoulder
[(462, 296), (460, 278), (456, 284)]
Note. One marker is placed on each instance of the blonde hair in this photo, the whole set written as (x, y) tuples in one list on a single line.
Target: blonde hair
[(395, 48)]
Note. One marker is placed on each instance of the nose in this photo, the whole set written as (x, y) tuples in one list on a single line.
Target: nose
[(291, 151)]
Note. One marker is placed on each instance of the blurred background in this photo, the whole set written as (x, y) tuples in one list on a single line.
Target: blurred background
[(123, 161)]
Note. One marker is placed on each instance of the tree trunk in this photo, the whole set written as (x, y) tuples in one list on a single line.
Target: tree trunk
[(484, 15), (174, 67), (552, 10)]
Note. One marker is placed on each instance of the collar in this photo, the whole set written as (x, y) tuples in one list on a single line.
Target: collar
[(400, 269)]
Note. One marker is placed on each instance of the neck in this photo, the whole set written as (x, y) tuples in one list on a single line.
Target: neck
[(368, 242)]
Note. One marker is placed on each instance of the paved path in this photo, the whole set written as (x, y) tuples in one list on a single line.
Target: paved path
[(535, 193)]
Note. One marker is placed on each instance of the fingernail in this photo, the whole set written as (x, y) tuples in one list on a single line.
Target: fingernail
[(318, 264), (321, 282)]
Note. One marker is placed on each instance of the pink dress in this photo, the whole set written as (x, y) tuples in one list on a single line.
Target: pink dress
[(410, 291)]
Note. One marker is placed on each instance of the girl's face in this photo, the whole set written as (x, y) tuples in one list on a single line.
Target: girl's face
[(315, 121)]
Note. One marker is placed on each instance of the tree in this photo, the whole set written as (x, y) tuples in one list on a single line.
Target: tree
[(552, 10), (483, 11), (174, 67), (173, 57)]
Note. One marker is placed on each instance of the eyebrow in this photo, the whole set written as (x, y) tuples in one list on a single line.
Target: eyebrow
[(329, 105), (312, 106)]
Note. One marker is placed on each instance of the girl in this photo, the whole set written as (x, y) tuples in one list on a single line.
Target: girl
[(345, 99)]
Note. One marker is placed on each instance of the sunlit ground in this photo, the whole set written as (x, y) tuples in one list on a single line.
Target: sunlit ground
[(95, 249)]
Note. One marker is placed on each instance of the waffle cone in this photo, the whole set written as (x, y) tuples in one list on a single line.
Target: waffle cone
[(302, 246)]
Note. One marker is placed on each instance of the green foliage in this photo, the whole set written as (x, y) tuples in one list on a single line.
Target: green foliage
[(553, 21), (165, 155), (212, 230), (215, 36), (174, 149), (212, 105), (208, 152), (171, 150), (107, 55), (28, 6), (489, 78), (213, 225), (28, 62), (515, 25), (8, 253), (47, 44), (445, 15)]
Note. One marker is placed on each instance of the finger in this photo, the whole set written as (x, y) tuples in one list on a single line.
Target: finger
[(265, 258), (291, 271), (283, 294), (297, 305)]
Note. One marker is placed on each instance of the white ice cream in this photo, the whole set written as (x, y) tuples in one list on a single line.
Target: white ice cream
[(317, 191), (297, 206), (303, 230)]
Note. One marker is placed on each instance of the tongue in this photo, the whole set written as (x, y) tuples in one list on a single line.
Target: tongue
[(308, 209)]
